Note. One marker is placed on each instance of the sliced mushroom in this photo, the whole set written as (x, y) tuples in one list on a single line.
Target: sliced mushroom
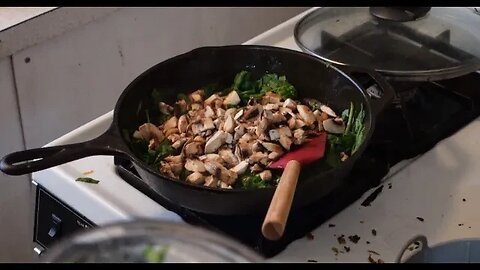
[(174, 159), (272, 147), (289, 103), (210, 181), (265, 175), (193, 149), (165, 168), (306, 114), (217, 140), (165, 108), (343, 156), (179, 143), (271, 97), (245, 148), (208, 124), (197, 128), (196, 178), (220, 112), (331, 126), (262, 127), (229, 138), (170, 123), (176, 168), (286, 111), (211, 157), (196, 106), (209, 112), (299, 123), (238, 153), (258, 157), (224, 185), (148, 131), (256, 168), (171, 132), (240, 168), (211, 99), (227, 155), (257, 146), (239, 131), (299, 136), (232, 98), (182, 124), (328, 110), (194, 165), (251, 112), (271, 106), (227, 176), (274, 134), (229, 125), (238, 114), (285, 141), (285, 131), (292, 123), (197, 96), (278, 118), (153, 144), (245, 138)]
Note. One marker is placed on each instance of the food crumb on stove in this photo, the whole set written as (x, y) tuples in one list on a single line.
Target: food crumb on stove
[(373, 252), (469, 227), (335, 250), (354, 238), (421, 219), (374, 232), (460, 224), (312, 260), (310, 236), (87, 172), (368, 201), (389, 185), (368, 242), (372, 260), (464, 200), (87, 180), (331, 225), (361, 221), (347, 248), (341, 239)]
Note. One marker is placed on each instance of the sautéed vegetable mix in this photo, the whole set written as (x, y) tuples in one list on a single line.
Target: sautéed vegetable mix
[(225, 138)]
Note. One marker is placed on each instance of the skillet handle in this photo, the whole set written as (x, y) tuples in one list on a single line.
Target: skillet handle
[(380, 98), (32, 160)]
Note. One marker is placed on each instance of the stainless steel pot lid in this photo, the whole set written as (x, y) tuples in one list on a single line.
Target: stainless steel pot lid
[(402, 43)]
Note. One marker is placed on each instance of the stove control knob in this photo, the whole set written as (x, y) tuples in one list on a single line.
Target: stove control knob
[(56, 226)]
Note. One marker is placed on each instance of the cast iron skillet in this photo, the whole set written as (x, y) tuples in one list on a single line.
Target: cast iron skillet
[(187, 72)]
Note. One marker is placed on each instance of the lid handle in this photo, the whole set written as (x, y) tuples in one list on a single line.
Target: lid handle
[(399, 14)]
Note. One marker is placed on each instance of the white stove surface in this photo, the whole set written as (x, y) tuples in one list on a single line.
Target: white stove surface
[(431, 186)]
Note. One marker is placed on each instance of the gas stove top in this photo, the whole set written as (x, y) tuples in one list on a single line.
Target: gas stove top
[(432, 112)]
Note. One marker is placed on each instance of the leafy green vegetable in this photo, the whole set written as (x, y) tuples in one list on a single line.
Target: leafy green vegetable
[(184, 174), (162, 118), (156, 96), (155, 254), (249, 180), (276, 84), (350, 140), (164, 150), (313, 103), (87, 180), (248, 88)]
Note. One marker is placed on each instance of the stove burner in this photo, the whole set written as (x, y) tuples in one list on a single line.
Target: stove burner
[(430, 112)]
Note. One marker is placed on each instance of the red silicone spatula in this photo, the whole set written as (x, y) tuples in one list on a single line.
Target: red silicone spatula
[(277, 214)]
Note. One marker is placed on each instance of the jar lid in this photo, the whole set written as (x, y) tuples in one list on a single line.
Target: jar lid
[(403, 43)]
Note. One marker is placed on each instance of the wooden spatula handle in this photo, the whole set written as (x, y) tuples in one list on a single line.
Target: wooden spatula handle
[(277, 214)]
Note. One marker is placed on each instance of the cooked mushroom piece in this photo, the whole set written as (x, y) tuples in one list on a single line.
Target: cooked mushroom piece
[(306, 114), (332, 126), (299, 136), (285, 141), (211, 99), (208, 124), (170, 123), (239, 131), (171, 132), (292, 123), (274, 134), (197, 96), (153, 144), (251, 112), (270, 106), (328, 110), (262, 127), (285, 131), (289, 103), (227, 176), (194, 165), (278, 118), (148, 131), (196, 178), (209, 111), (272, 147), (232, 98), (258, 157), (265, 175), (165, 168), (193, 149), (180, 107), (228, 156), (196, 128), (240, 168), (174, 159), (274, 155), (179, 143), (271, 97), (210, 181), (182, 124), (256, 168), (165, 108), (229, 125), (217, 140), (238, 115), (220, 112)]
